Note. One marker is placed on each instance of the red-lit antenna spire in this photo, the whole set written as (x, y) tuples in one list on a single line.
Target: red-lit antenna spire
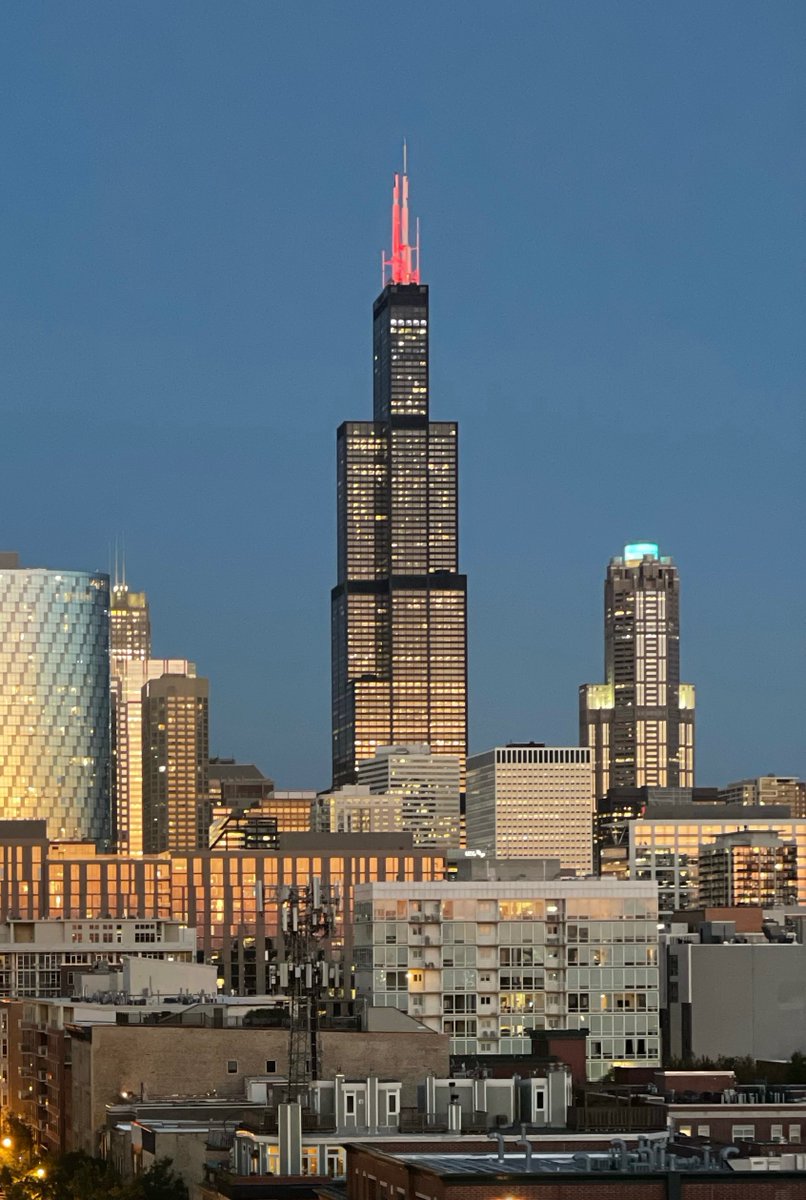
[(404, 262)]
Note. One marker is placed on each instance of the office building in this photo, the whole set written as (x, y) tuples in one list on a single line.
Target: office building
[(526, 800), (176, 805), (623, 805), (768, 789), (54, 699), (748, 867), (230, 897), (246, 828), (426, 787), (259, 820), (666, 841), (488, 961), (129, 627), (248, 811), (127, 708), (399, 638), (639, 723)]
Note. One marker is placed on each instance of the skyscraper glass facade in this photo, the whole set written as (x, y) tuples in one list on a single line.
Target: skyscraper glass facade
[(129, 627), (640, 722), (54, 699), (399, 609)]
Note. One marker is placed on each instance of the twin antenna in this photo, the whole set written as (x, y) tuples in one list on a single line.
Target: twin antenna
[(403, 264)]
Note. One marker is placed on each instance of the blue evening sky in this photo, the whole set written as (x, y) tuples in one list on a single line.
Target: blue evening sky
[(194, 201)]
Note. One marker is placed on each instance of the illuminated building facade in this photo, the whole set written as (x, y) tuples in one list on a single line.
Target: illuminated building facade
[(54, 699), (748, 867), (129, 627), (621, 806), (127, 709), (665, 844), (176, 804), (768, 789), (230, 897), (487, 961), (427, 787), (399, 656), (129, 654), (639, 723), (532, 801)]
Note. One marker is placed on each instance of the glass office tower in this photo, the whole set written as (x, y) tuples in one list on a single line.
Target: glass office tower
[(640, 722), (129, 627), (399, 608), (54, 699)]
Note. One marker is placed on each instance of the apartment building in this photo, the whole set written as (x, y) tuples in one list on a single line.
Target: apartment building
[(486, 962)]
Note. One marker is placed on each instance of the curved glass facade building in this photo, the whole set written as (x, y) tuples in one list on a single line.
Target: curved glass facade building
[(54, 699)]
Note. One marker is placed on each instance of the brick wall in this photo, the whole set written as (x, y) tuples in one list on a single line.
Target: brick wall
[(163, 1061)]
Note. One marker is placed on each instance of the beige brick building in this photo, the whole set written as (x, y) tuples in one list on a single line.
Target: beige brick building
[(162, 1061)]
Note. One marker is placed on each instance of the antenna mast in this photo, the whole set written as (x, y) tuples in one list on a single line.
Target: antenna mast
[(307, 916), (403, 265)]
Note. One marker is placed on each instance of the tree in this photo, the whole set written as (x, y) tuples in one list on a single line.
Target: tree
[(159, 1182)]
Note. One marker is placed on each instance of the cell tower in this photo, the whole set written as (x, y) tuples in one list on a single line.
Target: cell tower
[(307, 917)]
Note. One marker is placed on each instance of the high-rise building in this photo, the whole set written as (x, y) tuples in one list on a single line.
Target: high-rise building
[(129, 652), (399, 605), (620, 807), (176, 804), (532, 801), (54, 699), (639, 723), (129, 627), (127, 709), (768, 789), (231, 897)]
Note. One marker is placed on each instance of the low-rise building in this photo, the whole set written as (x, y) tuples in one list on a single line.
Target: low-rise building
[(768, 789), (732, 994), (43, 957), (653, 1171)]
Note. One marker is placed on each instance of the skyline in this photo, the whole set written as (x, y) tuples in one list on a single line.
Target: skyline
[(156, 329)]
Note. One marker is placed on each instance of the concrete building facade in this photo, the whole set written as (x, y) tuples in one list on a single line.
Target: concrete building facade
[(532, 801), (176, 755), (736, 999), (38, 958), (768, 789), (486, 962)]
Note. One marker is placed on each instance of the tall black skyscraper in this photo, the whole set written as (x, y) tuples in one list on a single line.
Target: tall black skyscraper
[(399, 608)]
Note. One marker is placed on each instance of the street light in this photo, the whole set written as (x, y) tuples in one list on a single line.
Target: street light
[(6, 1143)]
